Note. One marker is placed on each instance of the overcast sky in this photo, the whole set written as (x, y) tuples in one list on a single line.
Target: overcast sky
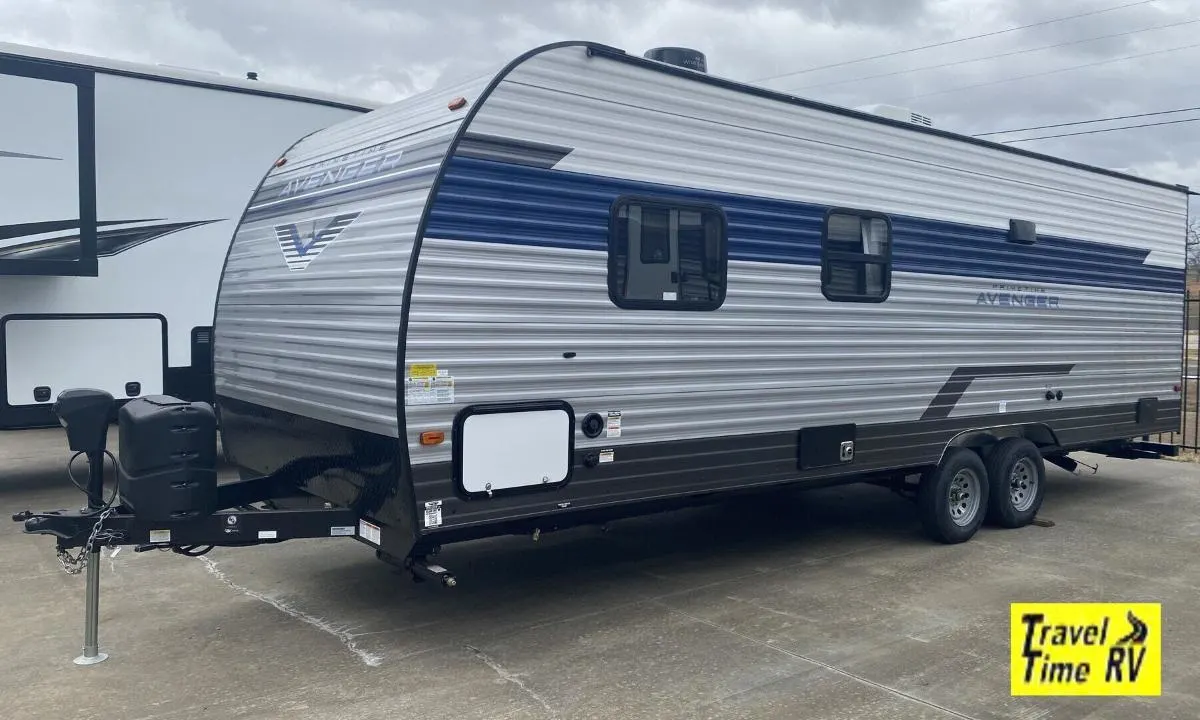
[(385, 49)]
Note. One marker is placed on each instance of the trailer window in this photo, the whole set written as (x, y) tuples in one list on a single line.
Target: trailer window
[(666, 255), (856, 257)]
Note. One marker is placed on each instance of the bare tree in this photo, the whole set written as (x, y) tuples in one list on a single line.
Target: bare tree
[(1193, 247)]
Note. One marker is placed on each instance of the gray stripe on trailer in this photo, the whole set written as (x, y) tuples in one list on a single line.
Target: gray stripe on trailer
[(956, 385), (512, 150)]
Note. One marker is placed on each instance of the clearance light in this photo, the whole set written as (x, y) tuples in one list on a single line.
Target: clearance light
[(457, 103), (280, 162), (433, 437)]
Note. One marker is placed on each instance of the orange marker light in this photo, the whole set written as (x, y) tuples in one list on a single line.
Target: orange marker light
[(433, 437), (457, 103)]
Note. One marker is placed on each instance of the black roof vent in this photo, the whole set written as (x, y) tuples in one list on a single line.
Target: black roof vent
[(683, 57), (251, 75)]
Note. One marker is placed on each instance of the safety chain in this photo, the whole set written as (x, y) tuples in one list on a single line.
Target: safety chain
[(74, 565)]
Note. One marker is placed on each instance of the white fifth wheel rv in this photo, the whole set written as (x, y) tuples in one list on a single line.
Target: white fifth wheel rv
[(594, 285), (122, 184)]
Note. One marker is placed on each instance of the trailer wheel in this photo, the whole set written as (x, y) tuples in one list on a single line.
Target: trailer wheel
[(952, 498), (1018, 485)]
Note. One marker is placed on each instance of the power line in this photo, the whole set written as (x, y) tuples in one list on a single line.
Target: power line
[(1102, 130), (1087, 122), (1050, 72), (952, 42), (1001, 55)]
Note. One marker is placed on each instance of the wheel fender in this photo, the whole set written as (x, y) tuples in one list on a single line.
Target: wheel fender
[(1039, 434)]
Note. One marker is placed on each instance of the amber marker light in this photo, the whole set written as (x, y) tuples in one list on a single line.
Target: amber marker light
[(433, 437)]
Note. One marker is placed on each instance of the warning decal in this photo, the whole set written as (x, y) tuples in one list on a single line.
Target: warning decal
[(369, 532), (436, 390), (433, 513), (423, 371), (614, 424)]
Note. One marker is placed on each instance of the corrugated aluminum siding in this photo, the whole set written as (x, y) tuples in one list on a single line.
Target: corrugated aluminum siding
[(322, 342), (499, 311)]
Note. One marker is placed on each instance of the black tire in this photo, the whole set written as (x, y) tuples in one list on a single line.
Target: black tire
[(1014, 502), (938, 514)]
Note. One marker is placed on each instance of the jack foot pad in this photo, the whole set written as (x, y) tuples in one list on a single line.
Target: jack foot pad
[(92, 660)]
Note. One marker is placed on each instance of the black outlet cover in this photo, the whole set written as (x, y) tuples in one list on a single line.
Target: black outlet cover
[(593, 425)]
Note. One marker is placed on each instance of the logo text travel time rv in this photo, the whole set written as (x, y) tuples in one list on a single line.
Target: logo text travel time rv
[(1085, 649)]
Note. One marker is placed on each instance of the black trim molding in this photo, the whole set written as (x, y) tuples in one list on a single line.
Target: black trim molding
[(409, 522)]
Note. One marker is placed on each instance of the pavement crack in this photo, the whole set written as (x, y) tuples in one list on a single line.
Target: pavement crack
[(342, 634), (832, 668), (764, 608), (512, 678)]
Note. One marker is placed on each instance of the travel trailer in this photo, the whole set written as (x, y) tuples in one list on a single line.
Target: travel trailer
[(595, 284), (122, 186)]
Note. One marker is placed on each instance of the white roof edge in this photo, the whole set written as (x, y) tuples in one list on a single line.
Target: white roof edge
[(184, 75)]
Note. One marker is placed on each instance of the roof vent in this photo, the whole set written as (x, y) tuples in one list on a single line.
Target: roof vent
[(680, 56), (898, 113), (251, 75)]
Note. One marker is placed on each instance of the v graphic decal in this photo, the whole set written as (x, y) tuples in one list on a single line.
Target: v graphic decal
[(301, 243)]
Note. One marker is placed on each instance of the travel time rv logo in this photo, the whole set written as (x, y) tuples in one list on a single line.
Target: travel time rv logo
[(1086, 649)]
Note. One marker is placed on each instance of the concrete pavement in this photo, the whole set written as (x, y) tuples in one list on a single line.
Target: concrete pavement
[(823, 604)]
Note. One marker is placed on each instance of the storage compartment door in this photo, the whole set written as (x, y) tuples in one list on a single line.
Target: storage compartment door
[(45, 355), (501, 450)]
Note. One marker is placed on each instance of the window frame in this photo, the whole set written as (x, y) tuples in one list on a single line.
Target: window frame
[(670, 204), (861, 259)]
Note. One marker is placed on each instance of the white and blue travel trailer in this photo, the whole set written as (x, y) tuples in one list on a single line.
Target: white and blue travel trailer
[(122, 184), (595, 284)]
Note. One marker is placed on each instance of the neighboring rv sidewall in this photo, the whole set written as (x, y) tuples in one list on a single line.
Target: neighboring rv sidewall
[(153, 183)]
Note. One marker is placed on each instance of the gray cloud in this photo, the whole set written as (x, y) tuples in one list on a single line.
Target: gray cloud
[(385, 50)]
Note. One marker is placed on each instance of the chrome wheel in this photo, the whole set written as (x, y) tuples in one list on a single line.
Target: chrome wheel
[(1023, 485), (964, 497)]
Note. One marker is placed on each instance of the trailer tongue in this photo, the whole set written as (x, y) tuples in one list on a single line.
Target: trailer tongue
[(166, 495)]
